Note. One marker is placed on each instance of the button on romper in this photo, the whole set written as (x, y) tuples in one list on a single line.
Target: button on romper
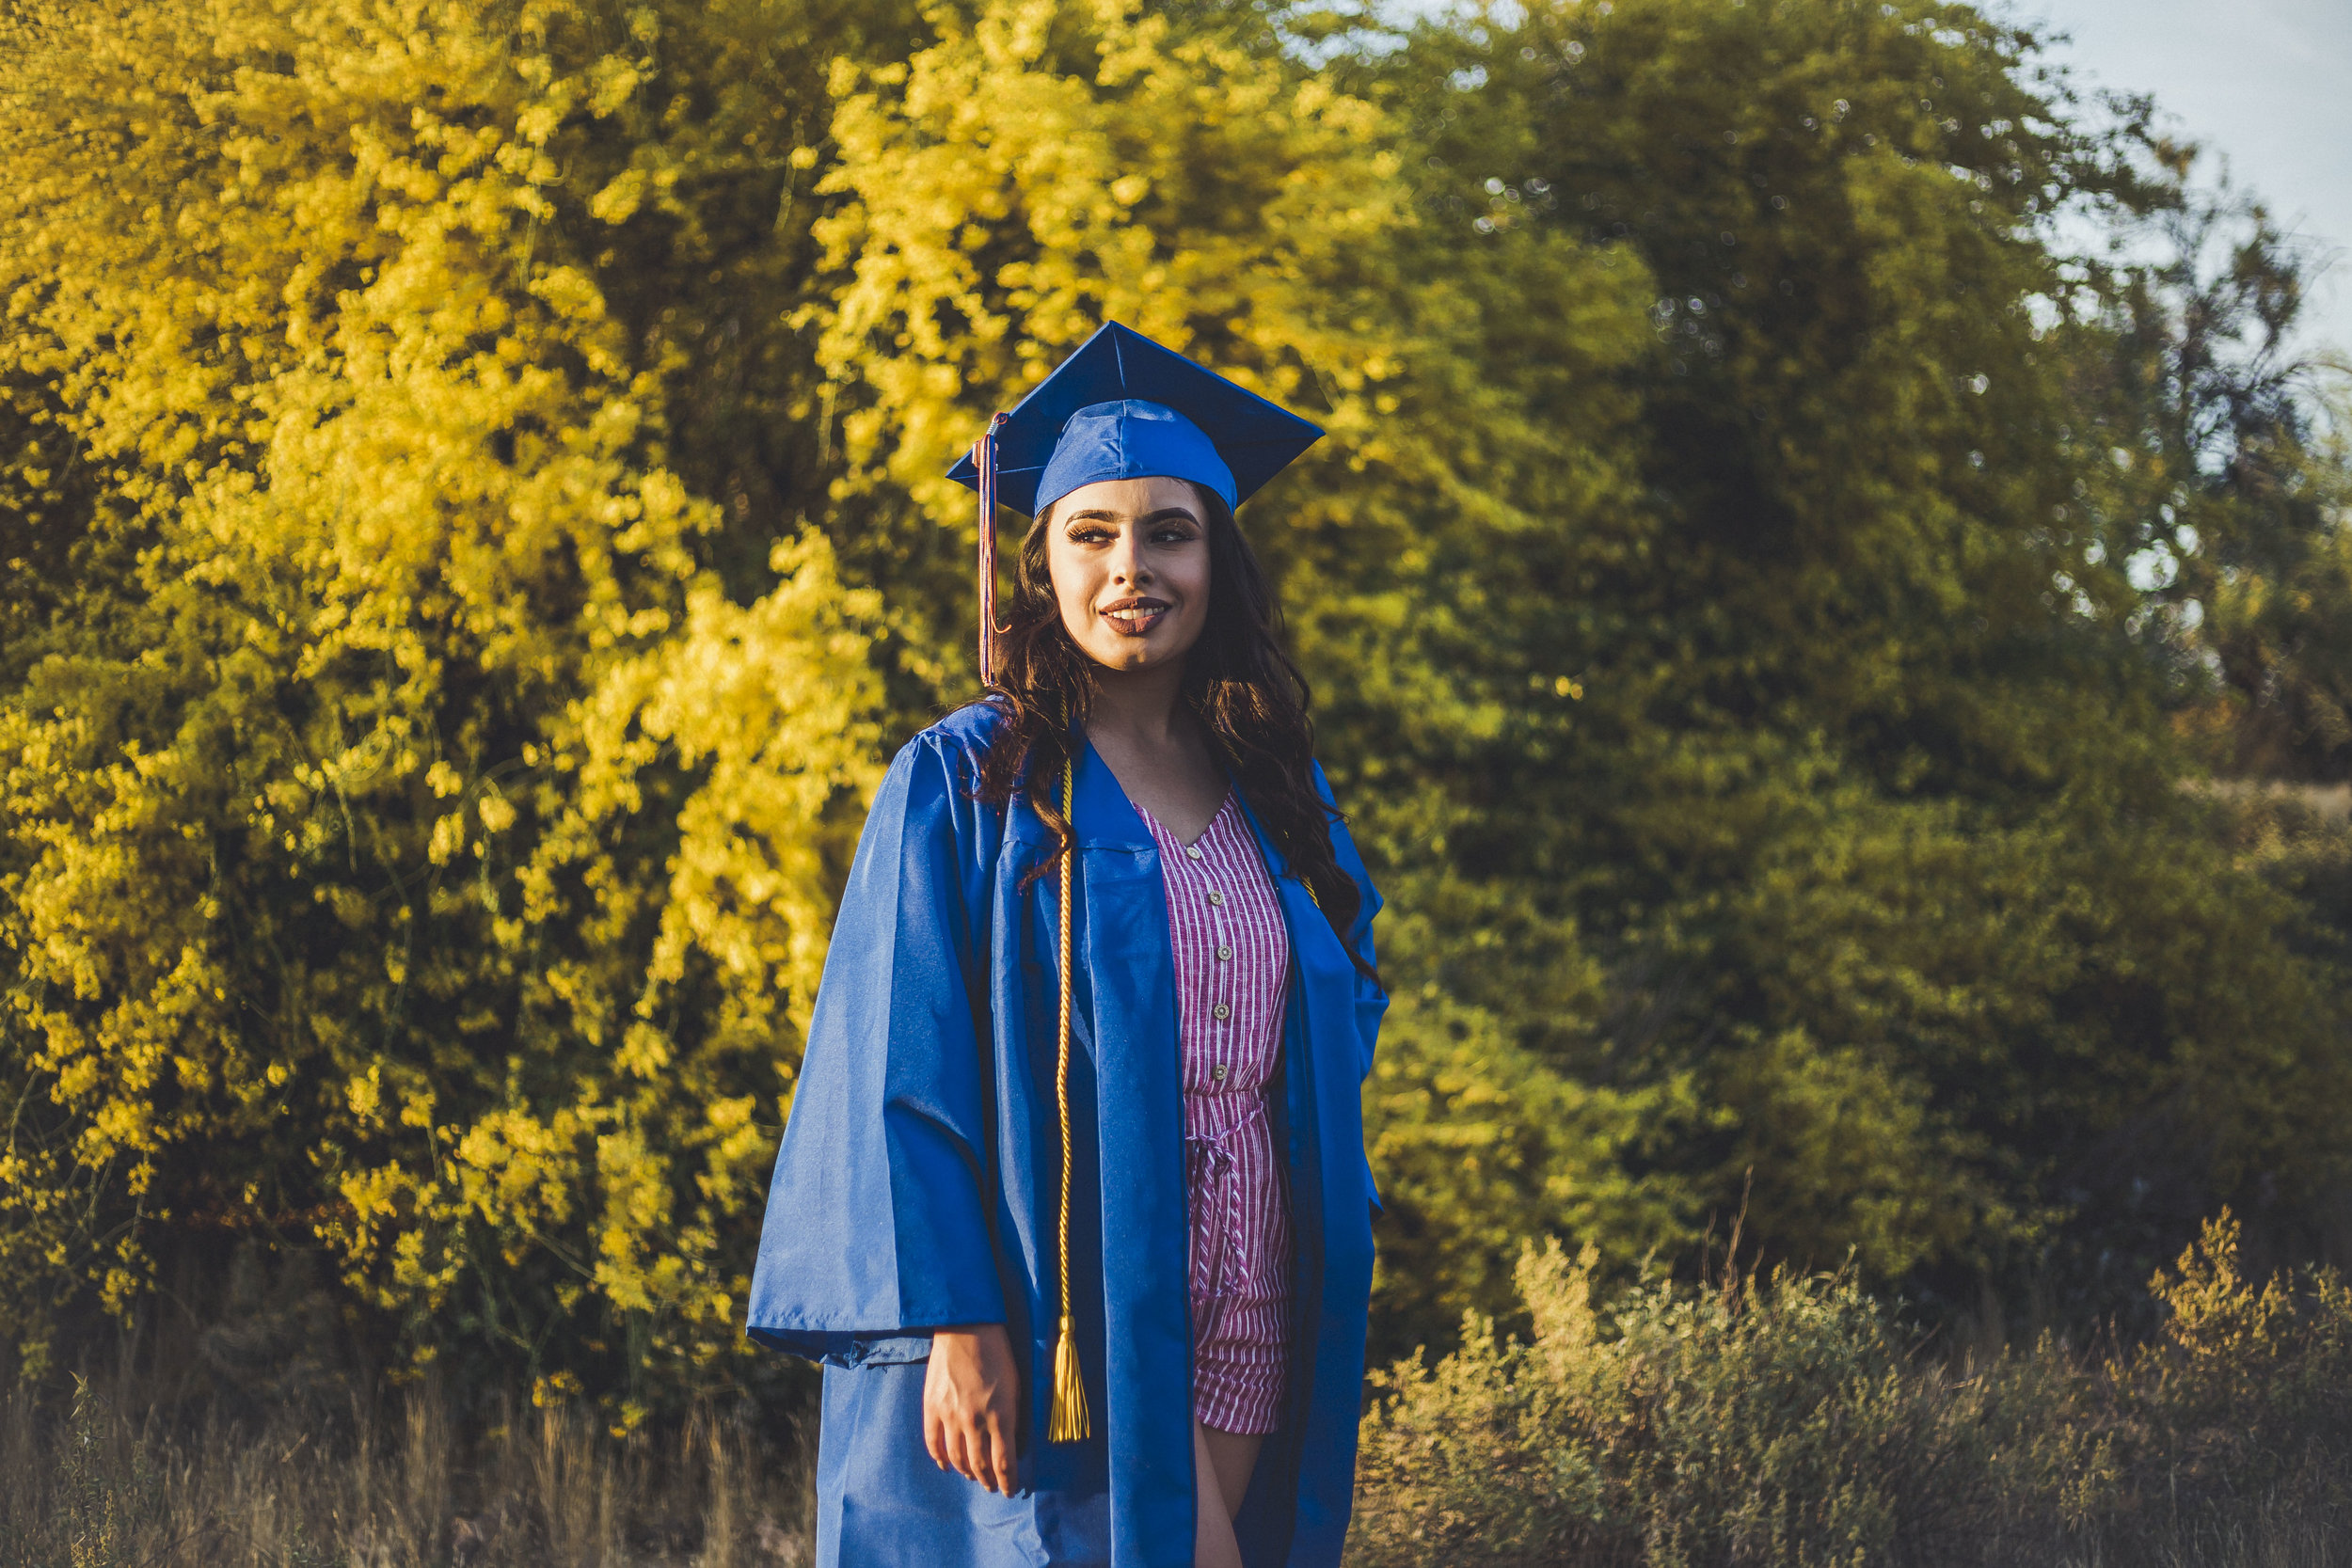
[(1233, 966)]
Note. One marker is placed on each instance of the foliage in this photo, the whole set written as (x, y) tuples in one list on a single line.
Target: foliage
[(1477, 1143), (472, 523), (1779, 1423), (1786, 1427), (1792, 1420), (1865, 833), (1220, 200), (2247, 1382), (413, 844)]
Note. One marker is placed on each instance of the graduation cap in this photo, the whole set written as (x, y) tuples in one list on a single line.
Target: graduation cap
[(1122, 407)]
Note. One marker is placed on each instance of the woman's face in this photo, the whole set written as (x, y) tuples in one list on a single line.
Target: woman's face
[(1130, 564)]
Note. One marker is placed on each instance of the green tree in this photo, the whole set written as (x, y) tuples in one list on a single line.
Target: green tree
[(1866, 835)]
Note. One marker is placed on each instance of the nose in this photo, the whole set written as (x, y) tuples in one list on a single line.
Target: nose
[(1126, 563)]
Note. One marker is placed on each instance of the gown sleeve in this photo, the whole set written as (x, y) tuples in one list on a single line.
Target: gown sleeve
[(876, 1230)]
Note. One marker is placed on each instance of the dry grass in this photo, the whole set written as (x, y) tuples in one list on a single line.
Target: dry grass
[(108, 1480), (92, 1484), (240, 1423), (1781, 1424), (2263, 1535)]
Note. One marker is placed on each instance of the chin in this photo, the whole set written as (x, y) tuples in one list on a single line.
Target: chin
[(1126, 657)]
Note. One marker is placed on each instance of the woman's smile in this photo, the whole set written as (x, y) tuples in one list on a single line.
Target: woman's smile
[(1135, 615)]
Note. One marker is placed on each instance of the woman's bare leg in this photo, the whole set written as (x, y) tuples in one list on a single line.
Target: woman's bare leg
[(1221, 1462), (1232, 1455), (1213, 1543)]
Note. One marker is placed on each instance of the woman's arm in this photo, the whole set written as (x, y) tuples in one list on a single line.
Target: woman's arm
[(880, 1215)]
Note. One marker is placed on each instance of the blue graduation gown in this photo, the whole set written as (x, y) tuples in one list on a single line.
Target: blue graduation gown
[(917, 1186)]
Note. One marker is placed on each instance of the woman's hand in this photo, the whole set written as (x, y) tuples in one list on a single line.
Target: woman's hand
[(971, 1405)]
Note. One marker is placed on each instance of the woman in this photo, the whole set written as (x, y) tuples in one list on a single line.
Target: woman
[(1073, 1203)]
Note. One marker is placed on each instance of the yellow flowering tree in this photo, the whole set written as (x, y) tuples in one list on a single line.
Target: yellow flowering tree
[(423, 819)]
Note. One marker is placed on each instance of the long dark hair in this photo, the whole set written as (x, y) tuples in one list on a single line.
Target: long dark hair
[(1246, 690)]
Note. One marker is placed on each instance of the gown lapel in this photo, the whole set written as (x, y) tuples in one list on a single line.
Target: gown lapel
[(1125, 957)]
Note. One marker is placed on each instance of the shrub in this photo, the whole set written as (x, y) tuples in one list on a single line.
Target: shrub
[(1787, 1421), (1796, 1420)]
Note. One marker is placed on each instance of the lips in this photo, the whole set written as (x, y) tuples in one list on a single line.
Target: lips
[(1135, 615)]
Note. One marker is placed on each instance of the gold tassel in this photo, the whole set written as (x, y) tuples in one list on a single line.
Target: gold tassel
[(1067, 1422)]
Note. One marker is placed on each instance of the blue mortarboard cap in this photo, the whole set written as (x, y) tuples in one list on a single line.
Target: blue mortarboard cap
[(1123, 407), (1130, 439)]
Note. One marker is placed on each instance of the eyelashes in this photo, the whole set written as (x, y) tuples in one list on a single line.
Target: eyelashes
[(1162, 536)]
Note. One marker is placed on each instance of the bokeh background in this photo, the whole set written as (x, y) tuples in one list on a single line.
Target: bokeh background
[(1827, 594)]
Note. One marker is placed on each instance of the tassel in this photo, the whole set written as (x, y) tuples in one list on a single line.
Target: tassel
[(1069, 1423), (984, 459)]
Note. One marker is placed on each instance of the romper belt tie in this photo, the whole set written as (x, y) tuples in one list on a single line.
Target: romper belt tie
[(1212, 1165)]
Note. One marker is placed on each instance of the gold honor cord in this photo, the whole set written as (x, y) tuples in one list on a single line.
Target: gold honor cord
[(1068, 1422)]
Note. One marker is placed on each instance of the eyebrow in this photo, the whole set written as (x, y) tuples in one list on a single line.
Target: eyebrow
[(1096, 514)]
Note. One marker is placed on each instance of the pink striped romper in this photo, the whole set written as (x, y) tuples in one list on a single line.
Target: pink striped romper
[(1232, 968)]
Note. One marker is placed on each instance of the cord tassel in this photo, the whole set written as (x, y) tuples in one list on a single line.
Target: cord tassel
[(1068, 1421), (984, 459)]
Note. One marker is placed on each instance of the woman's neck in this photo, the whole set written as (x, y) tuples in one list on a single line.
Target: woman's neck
[(1156, 747), (1144, 707)]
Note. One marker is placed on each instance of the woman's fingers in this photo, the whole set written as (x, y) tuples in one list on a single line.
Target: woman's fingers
[(998, 1434), (934, 1416), (987, 1453), (956, 1460)]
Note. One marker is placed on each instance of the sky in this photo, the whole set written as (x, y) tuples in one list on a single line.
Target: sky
[(2265, 84)]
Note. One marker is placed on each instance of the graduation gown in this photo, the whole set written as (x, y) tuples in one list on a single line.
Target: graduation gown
[(918, 1184)]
